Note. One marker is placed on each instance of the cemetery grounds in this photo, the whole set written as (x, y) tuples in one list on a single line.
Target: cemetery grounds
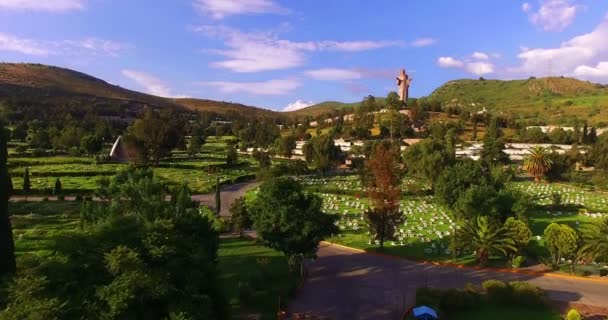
[(426, 233)]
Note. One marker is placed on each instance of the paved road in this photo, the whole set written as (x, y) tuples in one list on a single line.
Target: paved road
[(344, 284), (228, 195)]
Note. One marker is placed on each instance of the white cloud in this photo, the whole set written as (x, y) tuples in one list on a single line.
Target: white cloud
[(25, 46), (269, 87), (42, 5), (480, 68), (552, 15), (263, 51), (449, 62), (150, 83), (480, 56), (585, 50), (89, 46), (334, 74), (599, 72), (297, 105), (219, 9), (423, 42), (475, 67)]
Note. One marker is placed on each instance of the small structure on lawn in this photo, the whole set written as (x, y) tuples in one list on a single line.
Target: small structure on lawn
[(424, 313), (123, 152)]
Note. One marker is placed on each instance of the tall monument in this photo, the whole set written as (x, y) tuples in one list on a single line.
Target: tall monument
[(403, 82)]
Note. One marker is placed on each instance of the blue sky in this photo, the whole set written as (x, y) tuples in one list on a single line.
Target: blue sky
[(279, 54)]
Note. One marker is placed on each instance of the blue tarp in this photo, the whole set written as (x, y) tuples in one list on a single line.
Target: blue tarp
[(425, 313)]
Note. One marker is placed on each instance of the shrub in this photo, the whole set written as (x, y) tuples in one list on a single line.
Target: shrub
[(428, 296), (453, 300), (573, 314), (556, 199), (497, 290), (517, 261), (244, 291), (603, 272), (61, 197), (525, 294)]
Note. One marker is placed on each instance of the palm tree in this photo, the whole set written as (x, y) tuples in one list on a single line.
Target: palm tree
[(486, 238), (595, 241), (537, 163)]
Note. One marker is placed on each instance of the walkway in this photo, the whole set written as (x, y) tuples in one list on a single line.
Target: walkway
[(347, 284)]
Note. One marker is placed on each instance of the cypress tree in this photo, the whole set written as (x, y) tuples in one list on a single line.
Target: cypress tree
[(57, 188), (218, 199), (26, 181), (7, 246)]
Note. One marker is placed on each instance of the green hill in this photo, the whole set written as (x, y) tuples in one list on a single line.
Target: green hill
[(321, 108), (552, 100), (44, 84)]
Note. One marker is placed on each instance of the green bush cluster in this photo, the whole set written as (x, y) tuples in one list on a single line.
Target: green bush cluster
[(452, 301)]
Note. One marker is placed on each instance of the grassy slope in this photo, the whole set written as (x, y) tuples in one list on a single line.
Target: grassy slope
[(59, 85), (321, 108), (550, 99)]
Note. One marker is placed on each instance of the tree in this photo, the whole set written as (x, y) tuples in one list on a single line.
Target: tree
[(537, 163), (599, 152), (232, 156), (519, 231), (285, 145), (158, 133), (57, 187), (263, 158), (384, 191), (218, 196), (91, 144), (288, 219), (561, 241), (196, 143), (26, 181), (486, 238), (595, 241), (427, 159), (493, 145), (322, 153), (240, 215), (7, 245)]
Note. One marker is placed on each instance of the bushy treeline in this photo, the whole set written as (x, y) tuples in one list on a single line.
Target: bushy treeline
[(134, 256)]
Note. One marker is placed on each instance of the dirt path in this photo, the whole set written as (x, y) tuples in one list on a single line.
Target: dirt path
[(346, 284)]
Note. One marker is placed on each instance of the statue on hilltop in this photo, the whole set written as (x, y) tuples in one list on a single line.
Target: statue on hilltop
[(403, 82)]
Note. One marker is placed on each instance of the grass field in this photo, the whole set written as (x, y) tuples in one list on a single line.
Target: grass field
[(254, 278), (81, 174)]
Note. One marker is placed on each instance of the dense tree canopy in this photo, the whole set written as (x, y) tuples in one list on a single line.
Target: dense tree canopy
[(136, 256), (427, 159), (7, 246), (290, 220), (321, 152)]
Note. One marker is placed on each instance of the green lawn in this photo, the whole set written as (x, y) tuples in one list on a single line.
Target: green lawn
[(80, 175), (507, 313), (254, 278), (35, 224)]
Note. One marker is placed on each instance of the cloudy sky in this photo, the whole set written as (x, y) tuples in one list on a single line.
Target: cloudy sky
[(292, 53)]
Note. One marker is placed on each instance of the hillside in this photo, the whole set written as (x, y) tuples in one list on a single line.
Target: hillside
[(553, 100), (321, 108), (53, 85)]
